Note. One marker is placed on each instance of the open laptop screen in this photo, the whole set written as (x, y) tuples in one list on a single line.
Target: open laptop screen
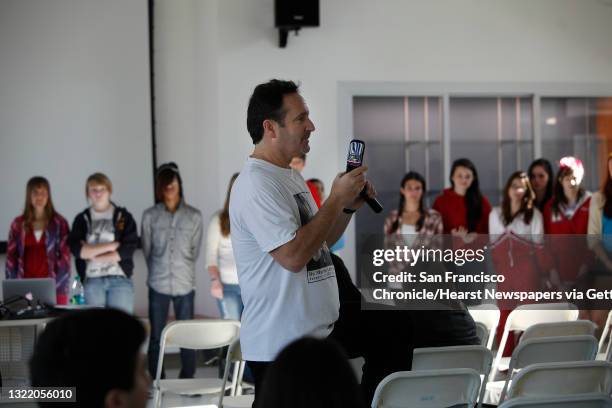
[(42, 289)]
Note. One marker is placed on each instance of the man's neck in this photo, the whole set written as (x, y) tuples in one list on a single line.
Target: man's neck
[(275, 158), (172, 205)]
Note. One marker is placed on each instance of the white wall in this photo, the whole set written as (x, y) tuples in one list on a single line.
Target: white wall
[(499, 41), (74, 99), (209, 55)]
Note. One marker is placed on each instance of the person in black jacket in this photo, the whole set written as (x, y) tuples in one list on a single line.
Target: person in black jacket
[(103, 240)]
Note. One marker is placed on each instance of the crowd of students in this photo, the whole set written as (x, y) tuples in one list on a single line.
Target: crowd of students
[(102, 242), (532, 204), (104, 235), (292, 285)]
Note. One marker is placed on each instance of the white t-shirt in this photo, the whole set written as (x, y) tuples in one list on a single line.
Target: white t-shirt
[(219, 252), (409, 233), (268, 205), (101, 231), (532, 231)]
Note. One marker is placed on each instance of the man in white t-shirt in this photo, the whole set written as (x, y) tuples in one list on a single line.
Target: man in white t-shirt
[(280, 240)]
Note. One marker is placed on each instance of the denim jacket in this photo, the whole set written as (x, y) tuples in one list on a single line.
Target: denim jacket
[(171, 245)]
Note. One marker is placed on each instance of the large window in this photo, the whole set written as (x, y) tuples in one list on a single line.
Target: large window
[(500, 134)]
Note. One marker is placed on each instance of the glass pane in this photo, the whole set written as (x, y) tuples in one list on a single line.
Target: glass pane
[(580, 127), (378, 119), (495, 133), (473, 129)]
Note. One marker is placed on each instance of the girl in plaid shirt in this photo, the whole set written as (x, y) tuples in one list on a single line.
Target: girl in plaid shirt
[(412, 224)]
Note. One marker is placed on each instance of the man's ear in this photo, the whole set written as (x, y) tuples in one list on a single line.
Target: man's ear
[(115, 398), (269, 128)]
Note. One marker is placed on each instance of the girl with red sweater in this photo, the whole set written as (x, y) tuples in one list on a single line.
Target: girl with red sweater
[(567, 213), (38, 241), (465, 211), (465, 215)]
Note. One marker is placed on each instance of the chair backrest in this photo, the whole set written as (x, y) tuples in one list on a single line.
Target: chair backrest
[(428, 389), (487, 315), (553, 350), (554, 329), (557, 379), (570, 401), (478, 358), (525, 316), (482, 333), (196, 334), (200, 334), (550, 350)]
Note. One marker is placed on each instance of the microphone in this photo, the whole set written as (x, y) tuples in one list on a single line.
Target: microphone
[(355, 159)]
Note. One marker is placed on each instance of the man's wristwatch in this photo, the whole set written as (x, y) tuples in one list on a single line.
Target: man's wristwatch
[(348, 210)]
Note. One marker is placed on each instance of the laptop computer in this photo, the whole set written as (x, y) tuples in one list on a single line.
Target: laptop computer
[(39, 289)]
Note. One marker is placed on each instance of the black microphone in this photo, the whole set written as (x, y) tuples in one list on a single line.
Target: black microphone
[(355, 159)]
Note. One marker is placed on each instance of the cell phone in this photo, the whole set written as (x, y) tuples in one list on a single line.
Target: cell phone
[(354, 158)]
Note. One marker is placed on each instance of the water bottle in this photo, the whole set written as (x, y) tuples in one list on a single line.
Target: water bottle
[(77, 292)]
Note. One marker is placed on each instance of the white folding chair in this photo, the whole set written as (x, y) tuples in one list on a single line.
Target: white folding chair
[(525, 316), (547, 350), (570, 401), (196, 335), (604, 352), (427, 389), (488, 315), (482, 333), (562, 379), (478, 358), (555, 329), (235, 399)]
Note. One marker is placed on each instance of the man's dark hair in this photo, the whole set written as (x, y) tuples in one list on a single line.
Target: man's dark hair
[(94, 350), (267, 103), (311, 373), (166, 173)]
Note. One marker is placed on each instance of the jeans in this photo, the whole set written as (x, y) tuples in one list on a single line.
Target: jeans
[(159, 305), (231, 305), (110, 291)]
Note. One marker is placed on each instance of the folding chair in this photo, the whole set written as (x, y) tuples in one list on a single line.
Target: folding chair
[(487, 315), (235, 400), (572, 401), (428, 389), (555, 329), (562, 379), (482, 333), (605, 351), (197, 335), (547, 350), (478, 358), (525, 316)]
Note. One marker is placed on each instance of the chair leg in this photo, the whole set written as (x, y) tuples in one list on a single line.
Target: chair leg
[(157, 398), (242, 364), (234, 388)]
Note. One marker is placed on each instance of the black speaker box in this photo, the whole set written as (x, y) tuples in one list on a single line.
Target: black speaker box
[(296, 13)]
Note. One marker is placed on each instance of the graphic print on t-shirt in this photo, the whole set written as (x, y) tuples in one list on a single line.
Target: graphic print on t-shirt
[(320, 267), (102, 231)]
